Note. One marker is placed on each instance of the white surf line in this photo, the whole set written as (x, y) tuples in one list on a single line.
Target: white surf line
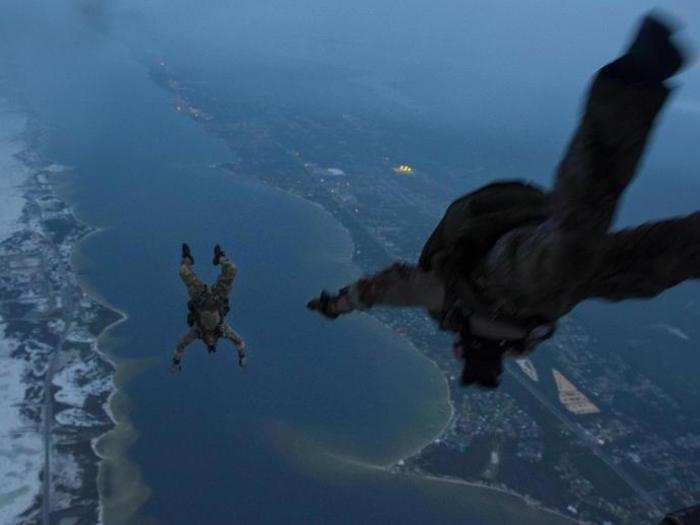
[(673, 330), (451, 480), (123, 317)]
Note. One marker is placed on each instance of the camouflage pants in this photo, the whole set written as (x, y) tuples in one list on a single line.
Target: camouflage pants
[(196, 287)]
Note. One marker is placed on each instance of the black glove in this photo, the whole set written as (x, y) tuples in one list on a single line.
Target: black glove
[(176, 367), (322, 305)]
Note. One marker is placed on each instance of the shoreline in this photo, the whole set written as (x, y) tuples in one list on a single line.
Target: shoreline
[(395, 466), (96, 347), (531, 503), (121, 428), (450, 402), (502, 490), (405, 340), (78, 369), (353, 260), (110, 447)]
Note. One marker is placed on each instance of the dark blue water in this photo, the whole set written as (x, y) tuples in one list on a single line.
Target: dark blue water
[(301, 435)]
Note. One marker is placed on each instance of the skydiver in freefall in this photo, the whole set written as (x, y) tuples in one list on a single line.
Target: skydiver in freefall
[(208, 308), (510, 259)]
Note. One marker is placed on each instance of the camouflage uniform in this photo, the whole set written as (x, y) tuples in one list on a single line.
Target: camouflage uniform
[(211, 326), (563, 252), (546, 270)]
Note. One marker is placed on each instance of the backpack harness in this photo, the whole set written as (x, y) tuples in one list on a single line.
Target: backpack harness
[(205, 302), (470, 228)]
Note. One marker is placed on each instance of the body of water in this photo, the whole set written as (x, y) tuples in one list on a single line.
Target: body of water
[(303, 433)]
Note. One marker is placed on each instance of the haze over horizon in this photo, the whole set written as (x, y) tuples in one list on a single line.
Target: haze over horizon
[(274, 129)]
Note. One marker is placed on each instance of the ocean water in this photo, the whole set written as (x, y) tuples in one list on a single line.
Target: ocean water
[(303, 434)]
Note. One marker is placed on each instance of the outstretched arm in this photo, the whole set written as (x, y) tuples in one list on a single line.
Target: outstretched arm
[(185, 341), (398, 285), (229, 333)]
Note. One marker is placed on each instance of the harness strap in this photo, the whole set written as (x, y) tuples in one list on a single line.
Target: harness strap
[(495, 327), (194, 318)]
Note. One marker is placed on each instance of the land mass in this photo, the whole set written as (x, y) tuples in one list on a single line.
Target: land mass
[(564, 431), (55, 380)]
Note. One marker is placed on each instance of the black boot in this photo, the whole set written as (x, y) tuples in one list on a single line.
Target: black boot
[(483, 362), (322, 305), (652, 56), (218, 254), (186, 253)]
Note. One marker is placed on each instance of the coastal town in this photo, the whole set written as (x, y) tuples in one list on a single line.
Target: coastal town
[(563, 432), (56, 384), (316, 144)]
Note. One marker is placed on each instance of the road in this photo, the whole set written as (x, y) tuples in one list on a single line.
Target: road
[(69, 313), (589, 441)]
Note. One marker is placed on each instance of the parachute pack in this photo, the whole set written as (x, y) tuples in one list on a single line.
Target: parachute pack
[(209, 302)]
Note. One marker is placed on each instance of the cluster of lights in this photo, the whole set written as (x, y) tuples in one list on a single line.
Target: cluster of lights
[(403, 169)]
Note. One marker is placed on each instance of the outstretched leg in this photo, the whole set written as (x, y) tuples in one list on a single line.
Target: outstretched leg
[(623, 103), (544, 268), (224, 283), (229, 333), (397, 285), (643, 262), (195, 286)]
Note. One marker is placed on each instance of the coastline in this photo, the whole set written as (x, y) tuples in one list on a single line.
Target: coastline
[(502, 490), (319, 461), (395, 469), (407, 341), (362, 264), (59, 325), (448, 395), (111, 446), (395, 466), (203, 121)]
